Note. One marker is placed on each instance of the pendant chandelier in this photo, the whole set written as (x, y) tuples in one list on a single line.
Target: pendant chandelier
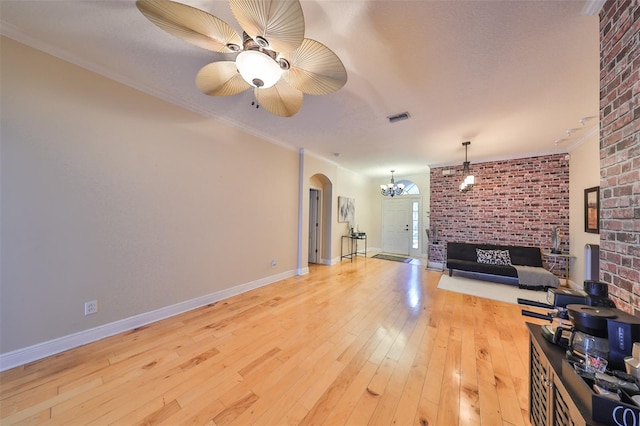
[(392, 189), (468, 179)]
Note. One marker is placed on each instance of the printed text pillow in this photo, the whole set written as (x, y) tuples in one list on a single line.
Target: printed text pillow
[(494, 257)]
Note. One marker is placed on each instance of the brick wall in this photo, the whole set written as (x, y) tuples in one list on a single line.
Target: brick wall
[(620, 152), (515, 202)]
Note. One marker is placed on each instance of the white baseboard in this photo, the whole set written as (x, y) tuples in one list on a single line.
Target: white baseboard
[(370, 252), (42, 350)]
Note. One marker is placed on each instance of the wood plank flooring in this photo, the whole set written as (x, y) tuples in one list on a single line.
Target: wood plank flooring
[(369, 342)]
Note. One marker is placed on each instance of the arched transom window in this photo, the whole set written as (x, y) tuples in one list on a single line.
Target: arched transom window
[(410, 188)]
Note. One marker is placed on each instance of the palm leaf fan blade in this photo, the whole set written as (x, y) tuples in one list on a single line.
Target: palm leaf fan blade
[(280, 22), (220, 79), (282, 99), (315, 69), (190, 24)]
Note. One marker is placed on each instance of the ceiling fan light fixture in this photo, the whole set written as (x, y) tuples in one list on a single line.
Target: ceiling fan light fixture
[(284, 64), (276, 55), (258, 69), (262, 42)]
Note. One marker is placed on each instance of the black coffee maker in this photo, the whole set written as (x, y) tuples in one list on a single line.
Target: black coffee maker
[(618, 327), (623, 331)]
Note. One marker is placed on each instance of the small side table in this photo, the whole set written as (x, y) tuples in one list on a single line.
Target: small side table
[(437, 254), (353, 245), (555, 257)]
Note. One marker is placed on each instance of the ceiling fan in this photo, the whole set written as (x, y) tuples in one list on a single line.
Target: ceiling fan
[(273, 56)]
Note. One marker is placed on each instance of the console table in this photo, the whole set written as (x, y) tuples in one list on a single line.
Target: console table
[(556, 257), (352, 244)]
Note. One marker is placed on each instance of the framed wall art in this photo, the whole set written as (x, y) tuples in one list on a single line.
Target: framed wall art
[(592, 210), (346, 209)]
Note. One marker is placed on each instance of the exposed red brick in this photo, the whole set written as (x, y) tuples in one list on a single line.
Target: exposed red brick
[(620, 152), (514, 202)]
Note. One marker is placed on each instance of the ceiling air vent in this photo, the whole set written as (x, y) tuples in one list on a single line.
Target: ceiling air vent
[(398, 117)]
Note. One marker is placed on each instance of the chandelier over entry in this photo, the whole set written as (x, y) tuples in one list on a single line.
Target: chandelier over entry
[(468, 179), (392, 189)]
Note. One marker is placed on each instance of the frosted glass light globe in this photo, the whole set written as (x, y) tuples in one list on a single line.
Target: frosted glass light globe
[(258, 69)]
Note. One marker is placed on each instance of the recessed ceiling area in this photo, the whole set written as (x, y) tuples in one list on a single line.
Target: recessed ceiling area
[(516, 78)]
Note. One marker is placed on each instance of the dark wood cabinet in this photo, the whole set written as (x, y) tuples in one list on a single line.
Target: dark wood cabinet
[(540, 379), (550, 402)]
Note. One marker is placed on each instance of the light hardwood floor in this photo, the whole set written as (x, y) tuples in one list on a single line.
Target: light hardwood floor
[(368, 342)]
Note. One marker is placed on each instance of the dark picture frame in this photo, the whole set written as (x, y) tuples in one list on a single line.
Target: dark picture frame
[(592, 210)]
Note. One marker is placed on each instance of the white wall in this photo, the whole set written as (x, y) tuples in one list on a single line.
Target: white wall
[(109, 194), (584, 172), (344, 183)]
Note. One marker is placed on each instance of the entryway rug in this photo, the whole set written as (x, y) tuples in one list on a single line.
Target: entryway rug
[(495, 291), (394, 258)]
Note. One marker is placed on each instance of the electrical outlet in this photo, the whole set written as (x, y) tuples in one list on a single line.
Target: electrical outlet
[(274, 263), (91, 307)]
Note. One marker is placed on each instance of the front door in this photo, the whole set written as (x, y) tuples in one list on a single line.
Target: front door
[(396, 225)]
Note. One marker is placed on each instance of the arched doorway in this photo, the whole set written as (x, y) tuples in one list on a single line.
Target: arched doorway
[(320, 190)]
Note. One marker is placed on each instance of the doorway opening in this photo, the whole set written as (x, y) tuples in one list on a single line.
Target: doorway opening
[(320, 208), (315, 215)]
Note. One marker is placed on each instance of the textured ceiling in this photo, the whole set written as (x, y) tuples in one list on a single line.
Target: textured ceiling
[(510, 76)]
